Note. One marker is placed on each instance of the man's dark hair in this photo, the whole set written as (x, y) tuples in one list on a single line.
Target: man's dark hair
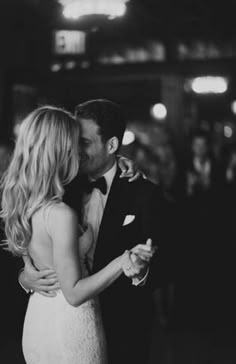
[(106, 114)]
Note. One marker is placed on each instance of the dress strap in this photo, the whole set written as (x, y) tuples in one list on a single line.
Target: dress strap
[(47, 210)]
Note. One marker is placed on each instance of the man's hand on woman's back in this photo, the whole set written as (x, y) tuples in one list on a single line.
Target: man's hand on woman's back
[(44, 282)]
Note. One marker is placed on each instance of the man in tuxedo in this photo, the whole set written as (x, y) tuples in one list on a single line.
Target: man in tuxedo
[(121, 215)]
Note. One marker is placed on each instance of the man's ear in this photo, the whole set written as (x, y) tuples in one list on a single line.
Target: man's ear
[(112, 145)]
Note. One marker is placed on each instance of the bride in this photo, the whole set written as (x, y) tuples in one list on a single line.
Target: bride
[(67, 328)]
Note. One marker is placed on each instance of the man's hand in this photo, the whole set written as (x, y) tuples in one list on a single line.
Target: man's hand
[(44, 282), (137, 265)]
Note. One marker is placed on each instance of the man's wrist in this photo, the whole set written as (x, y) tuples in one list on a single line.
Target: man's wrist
[(140, 281)]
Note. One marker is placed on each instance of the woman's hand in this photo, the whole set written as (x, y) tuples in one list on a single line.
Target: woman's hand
[(129, 169), (136, 264), (124, 259)]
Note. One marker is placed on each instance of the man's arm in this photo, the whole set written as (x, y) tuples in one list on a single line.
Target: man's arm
[(161, 227), (31, 280)]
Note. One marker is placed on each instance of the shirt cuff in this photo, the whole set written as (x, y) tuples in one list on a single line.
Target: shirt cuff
[(140, 282), (25, 289)]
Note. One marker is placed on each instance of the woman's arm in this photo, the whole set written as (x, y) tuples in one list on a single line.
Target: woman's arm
[(63, 228)]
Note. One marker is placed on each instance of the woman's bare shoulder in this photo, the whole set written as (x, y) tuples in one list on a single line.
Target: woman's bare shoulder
[(61, 210)]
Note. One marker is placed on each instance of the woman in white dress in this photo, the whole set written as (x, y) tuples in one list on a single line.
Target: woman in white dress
[(67, 328)]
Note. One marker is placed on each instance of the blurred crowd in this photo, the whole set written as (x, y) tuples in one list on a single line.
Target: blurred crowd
[(201, 188)]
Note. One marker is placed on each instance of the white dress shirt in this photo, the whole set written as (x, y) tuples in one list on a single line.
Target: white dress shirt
[(203, 168), (93, 208)]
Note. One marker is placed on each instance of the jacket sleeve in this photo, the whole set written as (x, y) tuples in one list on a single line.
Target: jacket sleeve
[(158, 223)]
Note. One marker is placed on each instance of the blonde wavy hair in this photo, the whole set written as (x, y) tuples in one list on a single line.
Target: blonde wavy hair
[(45, 158)]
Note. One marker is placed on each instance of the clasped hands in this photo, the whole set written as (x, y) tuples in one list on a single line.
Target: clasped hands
[(136, 260), (134, 265)]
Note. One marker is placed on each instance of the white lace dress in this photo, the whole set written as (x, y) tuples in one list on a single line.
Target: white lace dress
[(58, 333)]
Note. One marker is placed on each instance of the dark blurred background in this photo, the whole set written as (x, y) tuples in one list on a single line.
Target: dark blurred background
[(171, 65)]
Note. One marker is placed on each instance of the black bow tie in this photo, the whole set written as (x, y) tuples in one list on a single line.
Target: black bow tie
[(100, 183)]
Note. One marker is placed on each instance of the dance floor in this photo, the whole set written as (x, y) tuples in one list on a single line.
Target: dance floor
[(169, 346)]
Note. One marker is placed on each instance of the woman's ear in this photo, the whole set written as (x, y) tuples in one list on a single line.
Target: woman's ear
[(112, 145)]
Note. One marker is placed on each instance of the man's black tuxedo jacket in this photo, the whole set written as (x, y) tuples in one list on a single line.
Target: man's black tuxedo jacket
[(127, 310)]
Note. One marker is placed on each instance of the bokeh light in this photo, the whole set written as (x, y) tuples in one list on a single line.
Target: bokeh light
[(228, 131), (128, 138), (209, 84), (233, 106), (158, 111)]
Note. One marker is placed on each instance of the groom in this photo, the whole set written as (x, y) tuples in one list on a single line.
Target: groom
[(121, 214)]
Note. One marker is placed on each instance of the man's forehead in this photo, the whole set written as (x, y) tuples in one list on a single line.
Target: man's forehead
[(88, 128)]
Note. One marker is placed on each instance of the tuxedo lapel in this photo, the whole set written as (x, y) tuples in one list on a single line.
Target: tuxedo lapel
[(113, 217), (114, 206)]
